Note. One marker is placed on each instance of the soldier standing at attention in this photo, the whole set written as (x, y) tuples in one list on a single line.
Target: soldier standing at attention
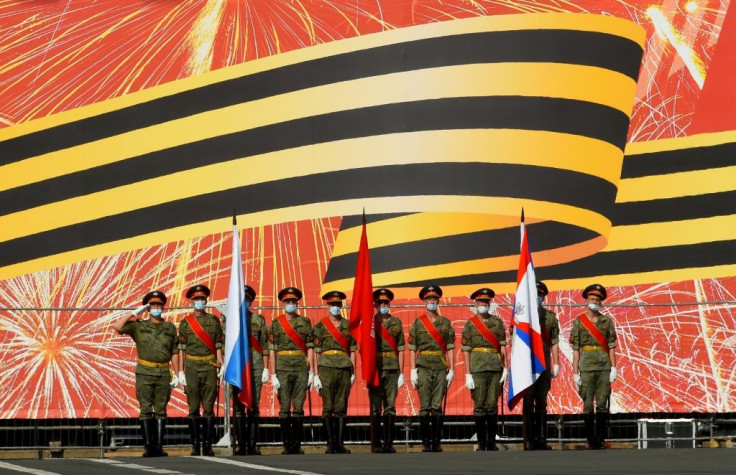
[(431, 340), (155, 342), (246, 423), (200, 343), (593, 341), (535, 399), (334, 349), (291, 350), (484, 354)]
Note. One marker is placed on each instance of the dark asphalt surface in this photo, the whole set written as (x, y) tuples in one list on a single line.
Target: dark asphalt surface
[(672, 461)]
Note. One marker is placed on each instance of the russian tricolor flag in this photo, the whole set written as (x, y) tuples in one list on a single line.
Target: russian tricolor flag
[(527, 349), (238, 367)]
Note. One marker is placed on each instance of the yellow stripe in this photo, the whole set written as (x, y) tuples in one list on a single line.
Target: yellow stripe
[(672, 233), (680, 143), (675, 185)]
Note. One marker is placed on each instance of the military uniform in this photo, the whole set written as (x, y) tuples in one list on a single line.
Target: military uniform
[(486, 366), (432, 368), (292, 371), (535, 399), (201, 367), (246, 424), (156, 345), (335, 372), (595, 369), (387, 364)]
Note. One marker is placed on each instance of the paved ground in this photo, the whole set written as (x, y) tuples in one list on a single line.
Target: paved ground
[(673, 461)]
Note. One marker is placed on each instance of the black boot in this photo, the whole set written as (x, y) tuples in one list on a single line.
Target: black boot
[(590, 431), (426, 435), (492, 431), (601, 423), (542, 431), (147, 432), (207, 435), (530, 441), (327, 423), (480, 429), (340, 432), (194, 435), (240, 435), (297, 432), (160, 432), (376, 446), (389, 423), (286, 434), (437, 421), (253, 435)]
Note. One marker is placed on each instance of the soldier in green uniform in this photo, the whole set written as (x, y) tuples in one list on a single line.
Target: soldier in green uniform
[(155, 341), (291, 350), (431, 340), (535, 399), (390, 365), (484, 354), (246, 421), (334, 349), (200, 345), (593, 341)]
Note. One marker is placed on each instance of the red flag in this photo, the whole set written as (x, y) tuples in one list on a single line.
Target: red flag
[(363, 319)]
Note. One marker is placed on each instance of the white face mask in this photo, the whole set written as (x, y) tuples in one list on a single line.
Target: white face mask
[(482, 309), (432, 307), (540, 300), (335, 311), (384, 310), (199, 304), (594, 307), (156, 312), (290, 307)]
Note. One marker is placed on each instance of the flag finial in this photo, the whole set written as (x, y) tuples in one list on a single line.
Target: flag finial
[(235, 219), (363, 215), (522, 214)]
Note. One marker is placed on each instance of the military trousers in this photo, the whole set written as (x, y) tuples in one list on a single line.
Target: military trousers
[(535, 399), (335, 390), (240, 408), (384, 396), (431, 388), (595, 388), (153, 393), (486, 393), (292, 393), (201, 389)]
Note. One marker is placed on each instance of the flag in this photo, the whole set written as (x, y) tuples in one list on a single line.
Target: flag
[(363, 318), (238, 367), (527, 349)]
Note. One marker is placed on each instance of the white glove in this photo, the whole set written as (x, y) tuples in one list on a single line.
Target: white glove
[(450, 376), (613, 374), (182, 379), (578, 381), (469, 383), (275, 382), (219, 372), (352, 379), (174, 381), (555, 370), (264, 375), (401, 381), (140, 310), (414, 377), (310, 380), (222, 308), (504, 375), (317, 382)]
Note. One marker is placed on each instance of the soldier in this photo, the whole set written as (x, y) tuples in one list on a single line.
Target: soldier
[(155, 341), (431, 340), (390, 365), (593, 341), (535, 399), (334, 349), (291, 351), (484, 354), (200, 345), (246, 424)]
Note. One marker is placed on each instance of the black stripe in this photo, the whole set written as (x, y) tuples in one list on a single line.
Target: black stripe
[(475, 179), (633, 261), (527, 113), (675, 209), (683, 160), (355, 221), (459, 248), (558, 46)]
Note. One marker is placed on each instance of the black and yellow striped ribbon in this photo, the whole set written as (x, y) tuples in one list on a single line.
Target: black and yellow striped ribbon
[(484, 115)]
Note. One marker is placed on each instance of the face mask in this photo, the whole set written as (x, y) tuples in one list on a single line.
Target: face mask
[(290, 308), (432, 307), (540, 299), (384, 310), (199, 304), (482, 309), (335, 311), (156, 312), (594, 307)]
